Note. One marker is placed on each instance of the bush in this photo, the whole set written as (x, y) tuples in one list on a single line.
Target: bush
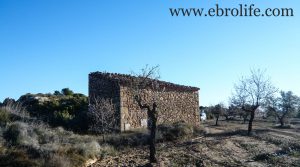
[(12, 111), (88, 150), (175, 131), (107, 150), (263, 157), (286, 126), (37, 144), (17, 158), (67, 92), (290, 146), (4, 117), (67, 110), (135, 138), (19, 133), (209, 115)]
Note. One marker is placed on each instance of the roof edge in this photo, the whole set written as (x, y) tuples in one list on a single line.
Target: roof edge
[(125, 79)]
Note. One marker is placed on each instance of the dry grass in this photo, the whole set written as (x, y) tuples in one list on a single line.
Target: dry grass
[(225, 145)]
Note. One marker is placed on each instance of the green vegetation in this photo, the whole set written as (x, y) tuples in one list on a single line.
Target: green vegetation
[(65, 108), (67, 92), (4, 117), (33, 143), (283, 107)]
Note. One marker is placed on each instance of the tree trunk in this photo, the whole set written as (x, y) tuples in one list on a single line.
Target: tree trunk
[(281, 122), (250, 122), (152, 143), (153, 120), (217, 121), (152, 117), (245, 116)]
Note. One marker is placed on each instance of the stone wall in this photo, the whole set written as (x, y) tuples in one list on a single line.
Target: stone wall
[(175, 102), (101, 87), (173, 106)]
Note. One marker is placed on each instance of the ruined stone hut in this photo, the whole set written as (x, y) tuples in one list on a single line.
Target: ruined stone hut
[(175, 102)]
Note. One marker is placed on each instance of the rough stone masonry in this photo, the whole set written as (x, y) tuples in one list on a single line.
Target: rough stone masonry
[(175, 102)]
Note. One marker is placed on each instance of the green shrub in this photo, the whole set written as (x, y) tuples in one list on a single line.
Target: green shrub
[(4, 117), (68, 109), (264, 157), (67, 92), (62, 117), (295, 154)]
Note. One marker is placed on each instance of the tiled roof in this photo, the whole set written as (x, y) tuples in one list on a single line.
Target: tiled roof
[(124, 79)]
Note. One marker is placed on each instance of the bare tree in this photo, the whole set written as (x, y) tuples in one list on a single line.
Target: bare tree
[(148, 79), (102, 116), (284, 106), (252, 92)]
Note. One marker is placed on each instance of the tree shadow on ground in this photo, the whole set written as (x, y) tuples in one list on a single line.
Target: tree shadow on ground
[(239, 132)]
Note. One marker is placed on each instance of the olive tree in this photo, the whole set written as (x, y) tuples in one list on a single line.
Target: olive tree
[(284, 106), (251, 92), (234, 111), (218, 110)]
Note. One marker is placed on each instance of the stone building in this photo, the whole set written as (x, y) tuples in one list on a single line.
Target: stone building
[(175, 102)]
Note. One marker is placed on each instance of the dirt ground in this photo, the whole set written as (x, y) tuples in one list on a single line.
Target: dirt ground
[(223, 145)]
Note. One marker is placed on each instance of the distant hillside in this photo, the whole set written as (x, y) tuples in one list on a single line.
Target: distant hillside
[(61, 108)]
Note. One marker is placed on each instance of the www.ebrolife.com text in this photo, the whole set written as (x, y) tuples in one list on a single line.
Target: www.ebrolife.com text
[(242, 10)]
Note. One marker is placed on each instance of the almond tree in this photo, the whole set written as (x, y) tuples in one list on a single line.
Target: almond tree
[(251, 92), (148, 79)]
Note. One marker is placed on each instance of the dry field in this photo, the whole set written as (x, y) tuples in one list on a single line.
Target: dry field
[(223, 145)]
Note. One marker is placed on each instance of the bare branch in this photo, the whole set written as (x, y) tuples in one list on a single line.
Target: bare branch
[(102, 115)]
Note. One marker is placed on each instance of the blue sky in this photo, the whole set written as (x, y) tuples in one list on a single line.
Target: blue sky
[(51, 44)]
